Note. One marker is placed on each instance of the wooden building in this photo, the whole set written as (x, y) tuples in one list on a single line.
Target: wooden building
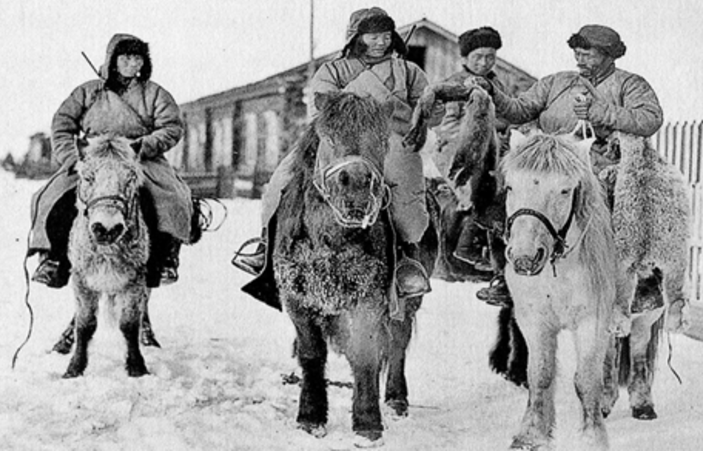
[(234, 139)]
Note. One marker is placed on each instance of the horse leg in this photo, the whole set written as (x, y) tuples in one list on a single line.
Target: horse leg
[(644, 341), (611, 371), (133, 302), (364, 352), (499, 356), (539, 419), (592, 339), (147, 336), (311, 350), (86, 323), (396, 384), (65, 342)]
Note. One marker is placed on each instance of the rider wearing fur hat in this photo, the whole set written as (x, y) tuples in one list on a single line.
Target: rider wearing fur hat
[(610, 98), (123, 101), (372, 64)]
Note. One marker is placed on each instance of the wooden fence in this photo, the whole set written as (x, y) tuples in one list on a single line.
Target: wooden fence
[(681, 144)]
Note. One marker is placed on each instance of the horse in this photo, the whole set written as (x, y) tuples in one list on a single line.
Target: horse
[(333, 257), (558, 216), (651, 220), (108, 248)]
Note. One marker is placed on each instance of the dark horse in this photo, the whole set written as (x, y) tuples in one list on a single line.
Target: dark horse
[(333, 261)]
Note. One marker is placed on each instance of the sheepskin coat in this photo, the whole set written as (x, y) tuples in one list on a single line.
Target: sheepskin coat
[(142, 111)]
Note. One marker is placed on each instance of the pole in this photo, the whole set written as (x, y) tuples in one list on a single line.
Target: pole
[(311, 61)]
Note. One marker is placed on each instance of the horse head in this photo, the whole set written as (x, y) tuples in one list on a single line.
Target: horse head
[(548, 183), (109, 180), (353, 137)]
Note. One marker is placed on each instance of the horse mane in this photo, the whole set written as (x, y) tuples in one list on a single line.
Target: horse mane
[(106, 148), (549, 154)]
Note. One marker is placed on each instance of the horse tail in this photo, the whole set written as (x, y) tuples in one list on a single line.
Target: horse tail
[(653, 345)]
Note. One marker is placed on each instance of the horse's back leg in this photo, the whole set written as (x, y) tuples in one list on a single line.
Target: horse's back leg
[(146, 335), (592, 339), (644, 341), (311, 350), (611, 370), (133, 302), (68, 337), (86, 323), (367, 339), (396, 385)]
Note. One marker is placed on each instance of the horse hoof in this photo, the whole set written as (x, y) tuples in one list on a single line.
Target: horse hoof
[(63, 346), (399, 407), (644, 413), (71, 374), (137, 372), (368, 439), (316, 430), (527, 445)]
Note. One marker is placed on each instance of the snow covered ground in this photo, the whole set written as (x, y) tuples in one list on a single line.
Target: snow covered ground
[(216, 384)]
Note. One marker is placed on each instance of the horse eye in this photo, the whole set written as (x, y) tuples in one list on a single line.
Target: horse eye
[(565, 191)]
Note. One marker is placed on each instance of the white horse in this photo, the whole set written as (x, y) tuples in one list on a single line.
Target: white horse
[(560, 271)]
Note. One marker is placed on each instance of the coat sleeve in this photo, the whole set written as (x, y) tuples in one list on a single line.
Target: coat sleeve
[(168, 126), (640, 113), (66, 126), (323, 81), (525, 107)]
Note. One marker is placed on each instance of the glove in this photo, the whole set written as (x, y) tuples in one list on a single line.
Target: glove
[(480, 82)]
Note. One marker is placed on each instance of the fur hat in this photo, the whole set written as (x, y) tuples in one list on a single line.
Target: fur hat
[(372, 20), (126, 44), (600, 37), (477, 38)]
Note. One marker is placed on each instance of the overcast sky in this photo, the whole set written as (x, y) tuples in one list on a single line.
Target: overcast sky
[(206, 46)]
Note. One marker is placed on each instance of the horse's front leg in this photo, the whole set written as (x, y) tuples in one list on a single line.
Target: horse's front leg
[(86, 323), (592, 338), (643, 350), (539, 419), (396, 385), (311, 350), (146, 335), (133, 301), (611, 375), (367, 339)]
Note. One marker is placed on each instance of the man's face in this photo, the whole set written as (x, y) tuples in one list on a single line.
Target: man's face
[(377, 43), (589, 62), (481, 60), (129, 65)]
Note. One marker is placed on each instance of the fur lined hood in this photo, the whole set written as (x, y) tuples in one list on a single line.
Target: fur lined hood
[(120, 44)]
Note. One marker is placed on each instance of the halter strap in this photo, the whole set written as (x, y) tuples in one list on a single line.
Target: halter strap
[(559, 236)]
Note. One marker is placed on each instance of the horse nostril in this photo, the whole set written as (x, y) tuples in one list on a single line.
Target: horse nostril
[(104, 235), (540, 255), (98, 230)]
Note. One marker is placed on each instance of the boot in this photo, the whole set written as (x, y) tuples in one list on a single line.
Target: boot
[(52, 271), (470, 249), (169, 268), (252, 263), (496, 293), (410, 276)]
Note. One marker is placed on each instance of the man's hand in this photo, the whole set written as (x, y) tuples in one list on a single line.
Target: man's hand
[(581, 107), (481, 82)]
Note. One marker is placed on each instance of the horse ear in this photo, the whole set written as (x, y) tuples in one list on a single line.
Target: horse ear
[(81, 144), (517, 138), (321, 100)]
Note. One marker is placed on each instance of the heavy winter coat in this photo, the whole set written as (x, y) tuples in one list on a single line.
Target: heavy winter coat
[(626, 103), (142, 111)]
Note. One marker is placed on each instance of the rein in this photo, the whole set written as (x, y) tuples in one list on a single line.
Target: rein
[(560, 246), (127, 208), (377, 203)]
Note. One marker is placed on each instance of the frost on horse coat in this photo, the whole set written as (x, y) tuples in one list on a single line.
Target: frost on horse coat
[(552, 195), (333, 259), (109, 248)]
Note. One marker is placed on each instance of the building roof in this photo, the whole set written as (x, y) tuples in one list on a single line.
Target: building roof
[(272, 83)]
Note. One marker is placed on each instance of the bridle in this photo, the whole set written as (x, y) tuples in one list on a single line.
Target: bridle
[(126, 205), (374, 207), (560, 247)]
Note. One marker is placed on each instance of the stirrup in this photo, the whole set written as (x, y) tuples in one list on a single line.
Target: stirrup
[(406, 261), (240, 253)]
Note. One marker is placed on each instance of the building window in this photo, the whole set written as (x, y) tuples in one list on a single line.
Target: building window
[(416, 54), (247, 163), (273, 139)]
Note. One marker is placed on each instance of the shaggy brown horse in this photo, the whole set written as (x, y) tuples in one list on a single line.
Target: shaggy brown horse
[(333, 257), (108, 249)]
